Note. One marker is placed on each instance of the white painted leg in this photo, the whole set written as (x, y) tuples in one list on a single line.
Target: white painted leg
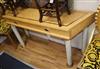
[(88, 35), (68, 52), (27, 32), (48, 37), (91, 31), (84, 39), (18, 35)]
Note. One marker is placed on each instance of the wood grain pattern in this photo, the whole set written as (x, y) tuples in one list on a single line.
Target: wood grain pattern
[(72, 24), (43, 54)]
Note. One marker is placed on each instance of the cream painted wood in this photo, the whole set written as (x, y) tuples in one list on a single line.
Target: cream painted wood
[(68, 52), (27, 32), (18, 35), (84, 39), (87, 35), (91, 32)]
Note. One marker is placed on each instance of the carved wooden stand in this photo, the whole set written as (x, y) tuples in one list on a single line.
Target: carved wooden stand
[(48, 9), (8, 3)]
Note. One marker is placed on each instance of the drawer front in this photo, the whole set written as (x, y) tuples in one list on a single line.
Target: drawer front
[(41, 29), (59, 33), (28, 26)]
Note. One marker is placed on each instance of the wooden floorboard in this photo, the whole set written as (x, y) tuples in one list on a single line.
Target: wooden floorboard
[(43, 54)]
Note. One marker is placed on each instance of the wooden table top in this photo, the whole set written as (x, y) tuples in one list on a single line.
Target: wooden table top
[(77, 20)]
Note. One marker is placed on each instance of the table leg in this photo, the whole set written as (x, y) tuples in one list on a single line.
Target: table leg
[(27, 32), (84, 39), (68, 52), (18, 36)]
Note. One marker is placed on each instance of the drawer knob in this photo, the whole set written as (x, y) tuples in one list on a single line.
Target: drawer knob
[(46, 29), (15, 22)]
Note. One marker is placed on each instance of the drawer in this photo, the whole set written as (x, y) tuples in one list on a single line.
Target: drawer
[(28, 26), (41, 29), (59, 33)]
